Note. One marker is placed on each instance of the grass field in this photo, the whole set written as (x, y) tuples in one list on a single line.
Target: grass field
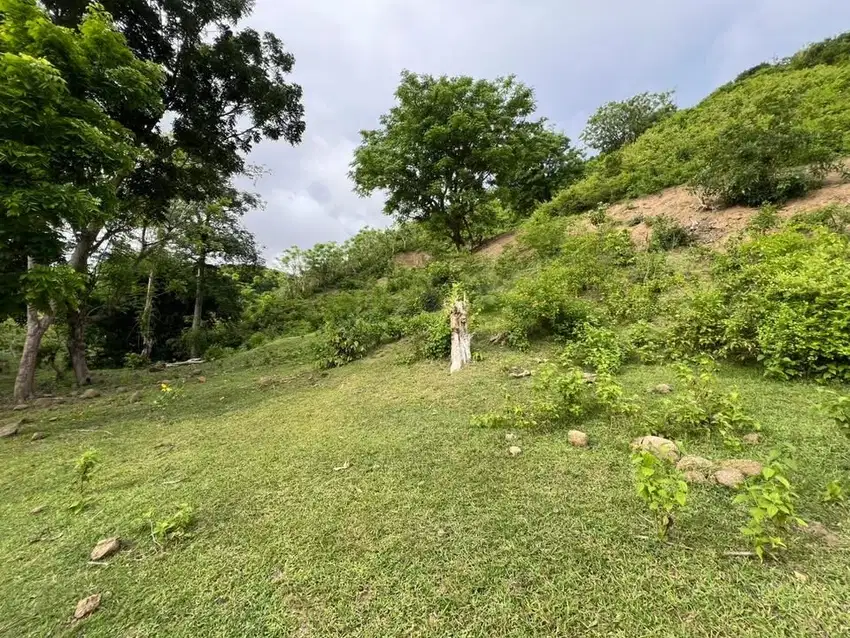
[(362, 502)]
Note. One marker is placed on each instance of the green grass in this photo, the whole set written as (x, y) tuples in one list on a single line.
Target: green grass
[(432, 529)]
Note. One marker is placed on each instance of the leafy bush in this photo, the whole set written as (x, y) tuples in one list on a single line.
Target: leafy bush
[(766, 219), (135, 360), (342, 343), (431, 335), (661, 488), (837, 407), (668, 234), (770, 501), (544, 233), (599, 349), (834, 493)]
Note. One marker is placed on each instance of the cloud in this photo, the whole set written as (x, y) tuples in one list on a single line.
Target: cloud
[(577, 54)]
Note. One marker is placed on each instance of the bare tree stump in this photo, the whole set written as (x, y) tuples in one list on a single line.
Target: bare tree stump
[(461, 339)]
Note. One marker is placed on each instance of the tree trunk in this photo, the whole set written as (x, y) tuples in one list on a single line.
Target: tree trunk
[(77, 345), (461, 339), (77, 319), (199, 307), (36, 327), (147, 318)]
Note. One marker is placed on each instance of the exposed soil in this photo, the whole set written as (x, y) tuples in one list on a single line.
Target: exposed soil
[(412, 259), (495, 246)]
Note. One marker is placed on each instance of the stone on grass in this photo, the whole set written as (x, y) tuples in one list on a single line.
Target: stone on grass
[(105, 548), (120, 389), (730, 478), (753, 438), (659, 446), (136, 396), (20, 406), (9, 430), (662, 388), (518, 373), (589, 377), (577, 438), (38, 510), (514, 450), (510, 436), (87, 606), (695, 464), (202, 379), (822, 533), (53, 419), (695, 477), (744, 466), (38, 436), (91, 393)]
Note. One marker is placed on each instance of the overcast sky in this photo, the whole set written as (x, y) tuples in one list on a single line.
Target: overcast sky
[(576, 54)]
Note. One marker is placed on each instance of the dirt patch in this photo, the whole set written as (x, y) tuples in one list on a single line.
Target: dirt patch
[(714, 227), (495, 246), (412, 259)]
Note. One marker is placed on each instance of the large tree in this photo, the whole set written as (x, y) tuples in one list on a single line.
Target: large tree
[(225, 90), (62, 154), (450, 143), (616, 124)]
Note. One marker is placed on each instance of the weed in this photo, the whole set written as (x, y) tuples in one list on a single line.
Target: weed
[(171, 528), (661, 489), (599, 215), (84, 467), (765, 220), (834, 493), (668, 234), (837, 407), (597, 348)]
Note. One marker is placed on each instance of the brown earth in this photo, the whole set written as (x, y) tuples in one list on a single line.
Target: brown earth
[(495, 246), (412, 259)]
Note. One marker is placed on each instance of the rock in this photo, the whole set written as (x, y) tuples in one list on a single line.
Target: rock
[(105, 548), (9, 430), (202, 379), (157, 367), (589, 377), (59, 400), (514, 450), (21, 406), (53, 419), (744, 466), (196, 372), (518, 373), (662, 388), (576, 438), (753, 438), (87, 606), (695, 464), (730, 478), (38, 510), (659, 446), (91, 393), (38, 436), (803, 578), (510, 436), (822, 533), (43, 402), (695, 477), (136, 396), (120, 389)]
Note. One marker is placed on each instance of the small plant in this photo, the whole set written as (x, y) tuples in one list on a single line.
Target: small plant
[(834, 493), (596, 348), (84, 467), (171, 528), (770, 501), (668, 234), (661, 489), (599, 215), (766, 219), (135, 361), (837, 407), (168, 394)]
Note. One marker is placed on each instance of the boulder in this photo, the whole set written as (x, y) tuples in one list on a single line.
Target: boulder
[(38, 436), (753, 438), (695, 464), (202, 379), (91, 393), (577, 438), (105, 548), (662, 388), (695, 477), (659, 446), (514, 450), (744, 466), (136, 396), (730, 478), (21, 406), (9, 430), (87, 606)]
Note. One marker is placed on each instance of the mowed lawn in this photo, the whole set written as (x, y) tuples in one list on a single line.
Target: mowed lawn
[(363, 503)]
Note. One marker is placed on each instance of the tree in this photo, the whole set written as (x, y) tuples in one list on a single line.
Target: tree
[(449, 143), (225, 91), (213, 231), (63, 155), (616, 124)]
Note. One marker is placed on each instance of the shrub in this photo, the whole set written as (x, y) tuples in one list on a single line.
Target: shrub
[(766, 219), (599, 215), (342, 343), (668, 234), (135, 361), (599, 349), (770, 500), (834, 493), (837, 407), (431, 335), (661, 488), (544, 233)]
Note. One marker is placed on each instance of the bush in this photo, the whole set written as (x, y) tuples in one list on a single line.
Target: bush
[(431, 335), (599, 349), (342, 343), (544, 233), (668, 234), (661, 488), (135, 361)]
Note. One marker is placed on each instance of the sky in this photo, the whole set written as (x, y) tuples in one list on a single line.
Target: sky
[(575, 54)]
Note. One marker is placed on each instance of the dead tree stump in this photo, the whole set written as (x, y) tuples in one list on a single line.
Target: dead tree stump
[(461, 338)]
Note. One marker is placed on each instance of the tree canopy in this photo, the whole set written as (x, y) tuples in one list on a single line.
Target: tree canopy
[(453, 144), (616, 124)]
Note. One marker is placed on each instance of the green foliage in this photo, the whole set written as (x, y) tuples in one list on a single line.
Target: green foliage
[(765, 220), (661, 489), (168, 396), (599, 215), (450, 145), (834, 493), (837, 407), (599, 349), (668, 234), (84, 467), (173, 527), (135, 361), (346, 341), (699, 407), (543, 233), (770, 501), (616, 124), (431, 335)]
